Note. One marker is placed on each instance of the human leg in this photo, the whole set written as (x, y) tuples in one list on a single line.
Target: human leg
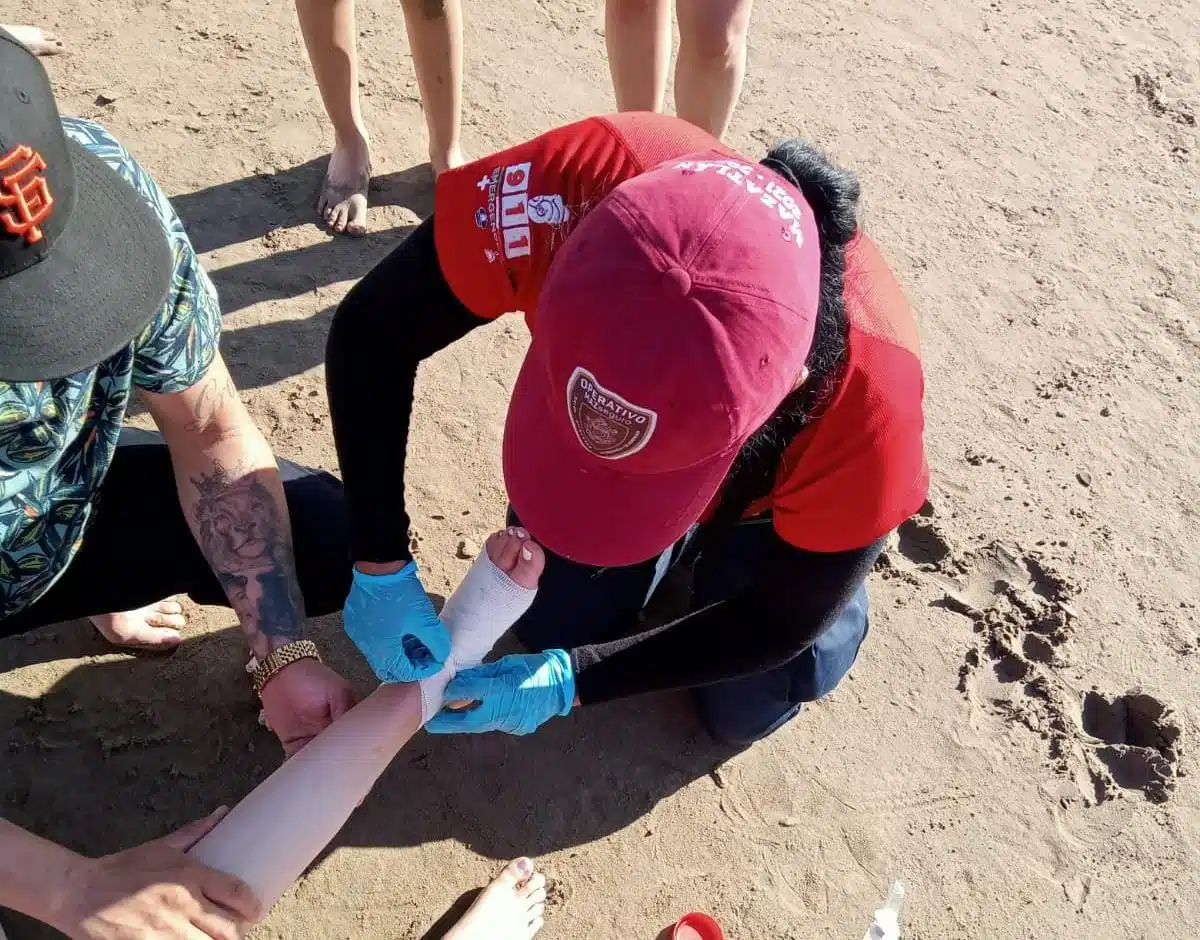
[(139, 548), (512, 907), (638, 36), (330, 37), (745, 710), (711, 62), (273, 835), (435, 33)]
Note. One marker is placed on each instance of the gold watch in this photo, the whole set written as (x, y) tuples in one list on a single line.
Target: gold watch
[(279, 659)]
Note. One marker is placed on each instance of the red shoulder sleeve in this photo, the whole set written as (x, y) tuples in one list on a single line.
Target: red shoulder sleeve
[(860, 470), (498, 221)]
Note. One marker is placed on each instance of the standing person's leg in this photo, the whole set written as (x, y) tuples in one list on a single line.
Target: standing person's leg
[(638, 36), (435, 33), (330, 36), (711, 62), (139, 548), (745, 710)]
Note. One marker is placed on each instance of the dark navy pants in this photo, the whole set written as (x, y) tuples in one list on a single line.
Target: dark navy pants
[(578, 604)]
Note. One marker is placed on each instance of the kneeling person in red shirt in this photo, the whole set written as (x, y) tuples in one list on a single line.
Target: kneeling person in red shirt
[(723, 372)]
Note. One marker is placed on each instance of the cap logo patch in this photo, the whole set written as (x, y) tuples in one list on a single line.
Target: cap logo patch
[(606, 424), (25, 200)]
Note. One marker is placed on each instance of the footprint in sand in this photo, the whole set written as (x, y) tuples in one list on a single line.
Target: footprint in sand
[(921, 540), (1106, 745), (1020, 605), (1141, 742)]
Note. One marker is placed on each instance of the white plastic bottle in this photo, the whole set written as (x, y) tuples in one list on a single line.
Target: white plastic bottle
[(886, 925)]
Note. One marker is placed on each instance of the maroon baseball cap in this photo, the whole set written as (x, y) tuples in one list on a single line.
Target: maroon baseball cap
[(672, 323)]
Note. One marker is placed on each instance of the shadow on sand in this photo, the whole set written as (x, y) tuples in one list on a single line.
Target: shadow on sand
[(257, 208), (124, 749)]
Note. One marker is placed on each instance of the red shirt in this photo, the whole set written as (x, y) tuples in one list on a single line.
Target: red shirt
[(847, 480)]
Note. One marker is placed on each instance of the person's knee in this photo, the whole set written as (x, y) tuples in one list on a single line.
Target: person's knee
[(623, 10), (715, 41), (834, 652), (741, 728), (742, 711), (427, 9)]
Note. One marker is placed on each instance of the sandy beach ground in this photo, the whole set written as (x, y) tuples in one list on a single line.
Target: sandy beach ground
[(1016, 739)]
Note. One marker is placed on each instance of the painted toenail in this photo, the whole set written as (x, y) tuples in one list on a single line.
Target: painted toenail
[(527, 554), (525, 866), (522, 534)]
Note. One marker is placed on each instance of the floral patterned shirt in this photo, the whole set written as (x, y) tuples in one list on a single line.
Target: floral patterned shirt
[(57, 438)]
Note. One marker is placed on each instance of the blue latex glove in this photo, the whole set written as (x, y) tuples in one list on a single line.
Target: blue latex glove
[(516, 694), (392, 622)]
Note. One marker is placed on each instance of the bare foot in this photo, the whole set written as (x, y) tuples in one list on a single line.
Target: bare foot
[(343, 200), (153, 627), (511, 908), (522, 559), (441, 161), (517, 555), (36, 40)]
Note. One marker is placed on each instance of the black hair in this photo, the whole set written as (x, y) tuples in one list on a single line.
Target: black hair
[(833, 195)]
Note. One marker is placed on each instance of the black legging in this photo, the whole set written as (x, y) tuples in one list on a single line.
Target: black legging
[(139, 549)]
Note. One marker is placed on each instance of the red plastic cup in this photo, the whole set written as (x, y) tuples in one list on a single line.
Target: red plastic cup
[(696, 926)]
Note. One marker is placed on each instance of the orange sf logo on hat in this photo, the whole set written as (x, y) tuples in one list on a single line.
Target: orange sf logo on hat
[(25, 200)]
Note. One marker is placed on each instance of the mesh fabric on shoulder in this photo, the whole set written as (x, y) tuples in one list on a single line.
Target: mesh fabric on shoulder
[(652, 138), (875, 304)]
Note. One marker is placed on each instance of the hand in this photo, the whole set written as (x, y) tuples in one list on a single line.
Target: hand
[(391, 621), (302, 700), (155, 892), (516, 694)]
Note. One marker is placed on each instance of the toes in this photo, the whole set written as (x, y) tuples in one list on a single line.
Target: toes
[(356, 223), (536, 925), (153, 637), (536, 902), (342, 201), (532, 887), (503, 548), (166, 621), (49, 44), (515, 872), (517, 555), (154, 627), (38, 41), (531, 562)]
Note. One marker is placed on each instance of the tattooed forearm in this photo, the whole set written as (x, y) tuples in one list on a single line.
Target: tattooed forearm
[(245, 537), (215, 392)]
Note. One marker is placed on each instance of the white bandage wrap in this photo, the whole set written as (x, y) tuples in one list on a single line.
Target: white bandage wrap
[(477, 614)]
